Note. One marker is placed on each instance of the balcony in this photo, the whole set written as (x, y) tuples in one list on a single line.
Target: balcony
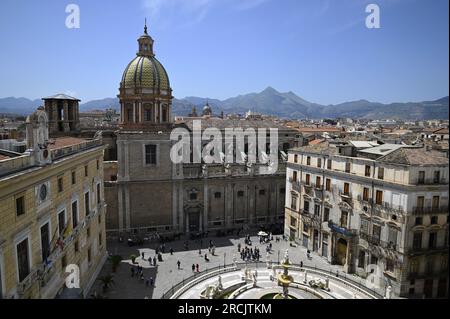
[(375, 240), (385, 210), (428, 250), (430, 210), (345, 195), (342, 230), (363, 201), (308, 189), (296, 186)]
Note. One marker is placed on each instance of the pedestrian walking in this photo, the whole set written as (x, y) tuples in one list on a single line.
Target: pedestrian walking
[(142, 255), (171, 251), (178, 264), (197, 266), (193, 267)]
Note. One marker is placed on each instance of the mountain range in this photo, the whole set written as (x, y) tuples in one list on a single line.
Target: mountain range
[(270, 102)]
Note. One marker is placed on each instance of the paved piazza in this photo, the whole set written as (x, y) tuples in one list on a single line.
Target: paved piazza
[(167, 276)]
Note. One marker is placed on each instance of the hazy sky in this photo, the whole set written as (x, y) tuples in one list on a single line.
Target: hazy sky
[(319, 49)]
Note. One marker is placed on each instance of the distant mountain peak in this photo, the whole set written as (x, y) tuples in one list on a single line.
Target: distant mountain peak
[(269, 89)]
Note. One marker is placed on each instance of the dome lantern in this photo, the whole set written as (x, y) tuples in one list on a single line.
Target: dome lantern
[(145, 44)]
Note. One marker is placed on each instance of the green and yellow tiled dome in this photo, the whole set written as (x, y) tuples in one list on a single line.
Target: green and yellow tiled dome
[(145, 72)]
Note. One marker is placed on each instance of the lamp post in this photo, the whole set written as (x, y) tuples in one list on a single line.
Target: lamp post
[(278, 256), (224, 256)]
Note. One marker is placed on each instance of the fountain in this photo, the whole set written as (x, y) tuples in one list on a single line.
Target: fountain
[(284, 279)]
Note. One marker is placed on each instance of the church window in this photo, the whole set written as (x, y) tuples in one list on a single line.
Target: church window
[(150, 154)]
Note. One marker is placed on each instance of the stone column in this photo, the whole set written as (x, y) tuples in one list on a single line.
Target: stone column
[(205, 205), (127, 208), (120, 203), (160, 113)]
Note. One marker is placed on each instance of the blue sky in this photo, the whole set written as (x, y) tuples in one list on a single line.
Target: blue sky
[(319, 49)]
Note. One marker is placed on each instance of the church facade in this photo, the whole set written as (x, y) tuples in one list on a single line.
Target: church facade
[(153, 194)]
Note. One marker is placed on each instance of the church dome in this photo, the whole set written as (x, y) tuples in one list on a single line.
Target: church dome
[(145, 71)]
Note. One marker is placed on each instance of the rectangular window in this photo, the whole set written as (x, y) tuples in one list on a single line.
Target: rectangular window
[(87, 206), (23, 261), (418, 221), (380, 172), (379, 197), (74, 177), (294, 176), (293, 222), (390, 265), (306, 206), (346, 189), (319, 162), (295, 158), (365, 226), (435, 203), (61, 222), (100, 239), (86, 171), (432, 240), (88, 232), (74, 214), (392, 236), (420, 202), (193, 196), (318, 182), (376, 233), (308, 179), (63, 263), (329, 164), (20, 205), (436, 177), (326, 214), (147, 115), (76, 246), (240, 193), (367, 171), (417, 240), (217, 195), (60, 184), (294, 202), (89, 255), (262, 192), (98, 165), (45, 241), (99, 197), (150, 154), (344, 219), (433, 220), (317, 210), (328, 185), (347, 167), (365, 194), (308, 160), (421, 179)]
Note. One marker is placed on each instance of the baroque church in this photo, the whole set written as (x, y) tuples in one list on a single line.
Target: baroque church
[(153, 194)]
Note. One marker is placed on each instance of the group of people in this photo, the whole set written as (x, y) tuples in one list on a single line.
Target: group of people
[(138, 272), (249, 253)]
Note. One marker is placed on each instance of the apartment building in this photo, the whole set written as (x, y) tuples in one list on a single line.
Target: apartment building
[(378, 210), (52, 214)]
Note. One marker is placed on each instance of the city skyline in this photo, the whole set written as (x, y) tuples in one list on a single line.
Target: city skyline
[(321, 50)]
